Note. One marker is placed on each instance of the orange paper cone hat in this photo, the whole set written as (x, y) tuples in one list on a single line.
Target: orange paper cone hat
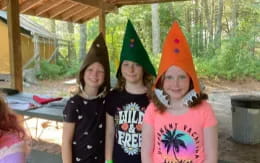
[(176, 52)]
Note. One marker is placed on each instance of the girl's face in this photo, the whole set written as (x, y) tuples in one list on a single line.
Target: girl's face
[(132, 71), (176, 83), (94, 75)]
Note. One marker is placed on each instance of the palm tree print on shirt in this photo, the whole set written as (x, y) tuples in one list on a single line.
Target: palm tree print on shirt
[(173, 140)]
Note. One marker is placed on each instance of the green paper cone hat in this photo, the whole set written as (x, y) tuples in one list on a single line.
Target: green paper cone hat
[(97, 53), (133, 50)]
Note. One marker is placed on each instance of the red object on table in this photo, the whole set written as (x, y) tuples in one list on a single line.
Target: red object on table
[(42, 100)]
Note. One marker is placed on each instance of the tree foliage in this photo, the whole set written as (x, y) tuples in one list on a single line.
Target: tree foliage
[(224, 40)]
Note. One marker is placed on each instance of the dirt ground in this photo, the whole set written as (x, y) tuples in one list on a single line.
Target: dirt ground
[(48, 134)]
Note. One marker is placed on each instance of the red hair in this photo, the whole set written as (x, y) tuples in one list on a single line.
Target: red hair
[(9, 121)]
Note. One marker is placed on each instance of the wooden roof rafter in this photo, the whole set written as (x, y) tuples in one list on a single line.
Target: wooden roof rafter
[(73, 11), (85, 14), (27, 5), (101, 4), (47, 6), (90, 16), (60, 9), (54, 12), (135, 2), (3, 4)]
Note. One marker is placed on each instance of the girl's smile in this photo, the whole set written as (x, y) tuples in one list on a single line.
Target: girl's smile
[(176, 83)]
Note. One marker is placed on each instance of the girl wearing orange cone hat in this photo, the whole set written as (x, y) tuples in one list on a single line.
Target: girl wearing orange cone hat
[(179, 125)]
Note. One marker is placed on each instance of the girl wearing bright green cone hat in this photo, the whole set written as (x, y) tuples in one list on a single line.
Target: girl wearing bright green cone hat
[(126, 104)]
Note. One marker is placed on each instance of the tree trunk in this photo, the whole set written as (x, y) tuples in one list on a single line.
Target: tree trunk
[(201, 31), (219, 25), (196, 32), (155, 29), (234, 16), (82, 41), (213, 16), (37, 58), (208, 19), (188, 22), (53, 25), (56, 44), (71, 47)]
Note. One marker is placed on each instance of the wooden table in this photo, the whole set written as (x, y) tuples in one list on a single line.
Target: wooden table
[(46, 111), (20, 101)]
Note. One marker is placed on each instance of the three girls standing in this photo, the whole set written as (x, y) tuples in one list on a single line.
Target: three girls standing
[(179, 125)]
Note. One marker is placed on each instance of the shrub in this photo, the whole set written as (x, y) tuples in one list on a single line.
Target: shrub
[(48, 71)]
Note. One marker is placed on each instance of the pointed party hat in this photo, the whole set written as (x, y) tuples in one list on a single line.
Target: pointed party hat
[(176, 52), (97, 53), (133, 50)]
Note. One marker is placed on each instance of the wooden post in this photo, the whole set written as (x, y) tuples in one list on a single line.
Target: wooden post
[(102, 22), (13, 22), (15, 45), (36, 49)]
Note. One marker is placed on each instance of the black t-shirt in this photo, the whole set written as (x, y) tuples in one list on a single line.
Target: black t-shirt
[(89, 118), (128, 111)]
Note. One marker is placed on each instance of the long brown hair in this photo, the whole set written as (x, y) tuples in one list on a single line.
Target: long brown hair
[(9, 121), (162, 108)]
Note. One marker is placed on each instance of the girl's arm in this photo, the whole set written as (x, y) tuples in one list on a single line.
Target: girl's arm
[(147, 143), (110, 134), (15, 153), (67, 136), (211, 144)]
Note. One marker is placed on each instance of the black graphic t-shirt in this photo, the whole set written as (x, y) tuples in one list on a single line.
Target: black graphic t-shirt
[(128, 111), (89, 118)]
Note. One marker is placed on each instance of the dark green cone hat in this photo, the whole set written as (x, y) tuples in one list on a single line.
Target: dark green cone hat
[(133, 50), (97, 53)]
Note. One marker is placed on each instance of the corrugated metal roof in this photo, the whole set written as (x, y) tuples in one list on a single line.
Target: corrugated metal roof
[(30, 26)]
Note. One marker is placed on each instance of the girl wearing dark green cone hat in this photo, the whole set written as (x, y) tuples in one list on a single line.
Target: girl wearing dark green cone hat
[(125, 105)]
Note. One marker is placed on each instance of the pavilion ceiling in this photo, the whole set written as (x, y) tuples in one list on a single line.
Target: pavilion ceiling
[(76, 11)]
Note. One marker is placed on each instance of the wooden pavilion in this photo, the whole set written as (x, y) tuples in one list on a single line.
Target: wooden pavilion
[(37, 43), (76, 11)]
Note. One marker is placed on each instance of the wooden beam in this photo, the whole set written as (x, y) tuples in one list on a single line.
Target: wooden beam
[(27, 5), (136, 2), (4, 4), (51, 4), (1, 4), (102, 22), (101, 4), (15, 45), (88, 17), (60, 9), (85, 14), (74, 11)]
